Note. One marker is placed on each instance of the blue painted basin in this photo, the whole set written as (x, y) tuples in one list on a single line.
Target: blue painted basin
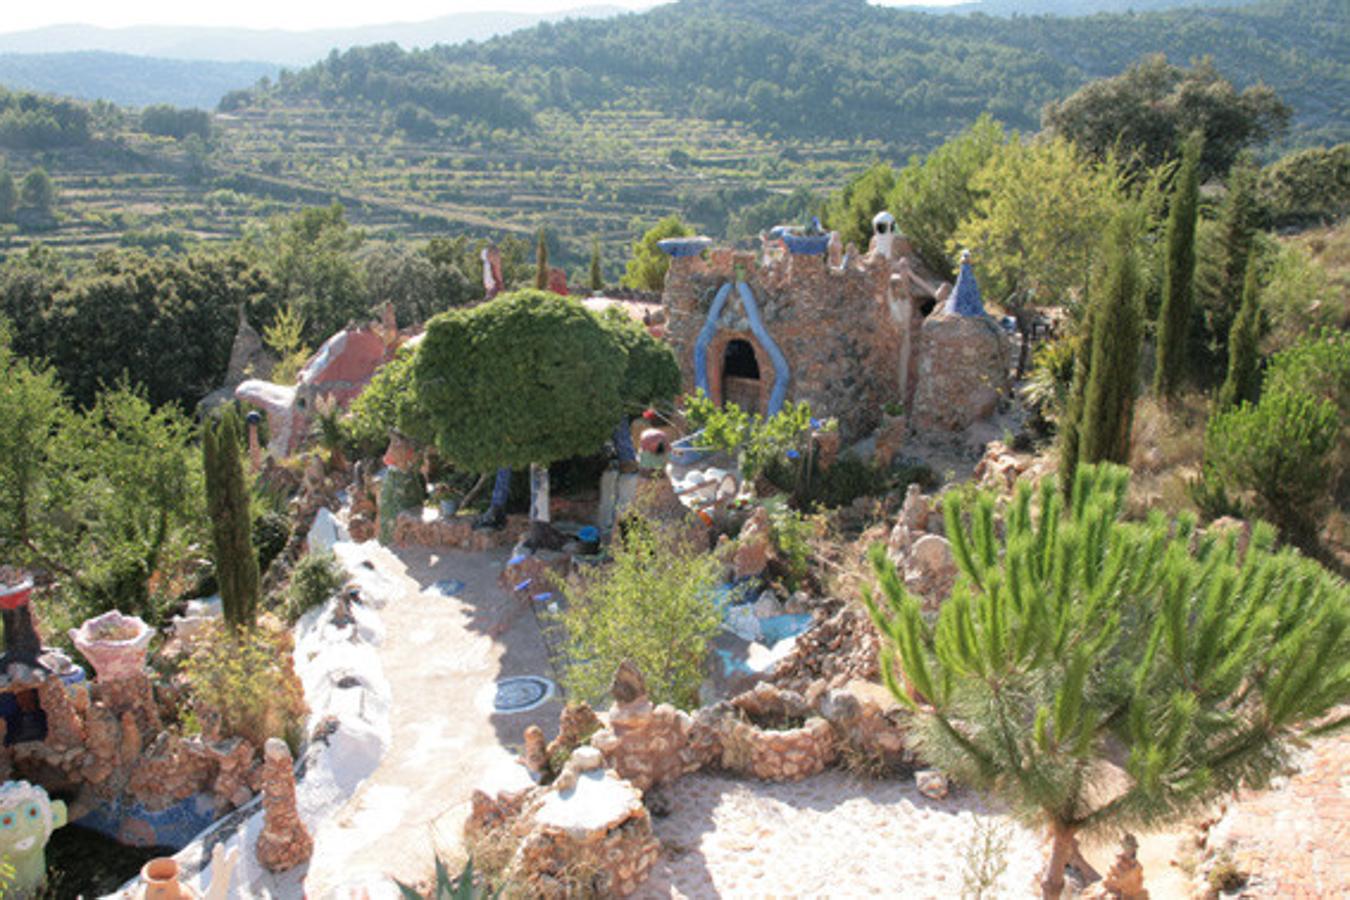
[(133, 824), (807, 245), (685, 451), (779, 628), (684, 246)]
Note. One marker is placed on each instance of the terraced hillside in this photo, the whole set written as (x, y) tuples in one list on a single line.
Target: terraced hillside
[(593, 129), (599, 175)]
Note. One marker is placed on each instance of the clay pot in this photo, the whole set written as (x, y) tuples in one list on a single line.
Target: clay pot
[(114, 643), (12, 596), (160, 877)]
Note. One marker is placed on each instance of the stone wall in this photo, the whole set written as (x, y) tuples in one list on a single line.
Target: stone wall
[(834, 326), (962, 371), (650, 745)]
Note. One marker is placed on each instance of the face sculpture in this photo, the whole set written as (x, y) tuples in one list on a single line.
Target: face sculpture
[(27, 819)]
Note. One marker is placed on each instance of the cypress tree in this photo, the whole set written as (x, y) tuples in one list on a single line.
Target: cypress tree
[(1244, 379), (227, 503), (541, 263), (1070, 436), (9, 196), (597, 273), (1117, 328), (1237, 222), (1174, 318)]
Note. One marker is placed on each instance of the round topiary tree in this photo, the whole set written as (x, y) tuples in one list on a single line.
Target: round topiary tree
[(528, 378)]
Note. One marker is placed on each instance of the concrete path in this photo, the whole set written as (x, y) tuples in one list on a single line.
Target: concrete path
[(441, 656)]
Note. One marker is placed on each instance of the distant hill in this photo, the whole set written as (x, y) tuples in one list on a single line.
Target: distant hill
[(1074, 7), (275, 45), (129, 80), (840, 68), (736, 114)]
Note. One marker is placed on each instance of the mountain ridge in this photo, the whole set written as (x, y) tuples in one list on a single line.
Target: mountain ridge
[(280, 47)]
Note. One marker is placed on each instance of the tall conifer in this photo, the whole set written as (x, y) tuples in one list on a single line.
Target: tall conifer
[(1174, 318), (1244, 377), (1117, 328), (597, 273), (227, 503), (541, 263)]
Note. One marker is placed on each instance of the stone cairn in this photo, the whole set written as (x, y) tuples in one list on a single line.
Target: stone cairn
[(284, 843)]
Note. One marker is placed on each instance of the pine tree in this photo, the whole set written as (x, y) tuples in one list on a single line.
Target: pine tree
[(227, 503), (1117, 329), (1244, 376), (1075, 645), (541, 263), (597, 272), (1174, 318)]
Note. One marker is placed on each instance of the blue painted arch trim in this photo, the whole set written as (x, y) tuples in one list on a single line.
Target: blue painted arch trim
[(711, 327)]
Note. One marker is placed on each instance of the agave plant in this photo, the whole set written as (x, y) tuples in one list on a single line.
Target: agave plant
[(461, 887)]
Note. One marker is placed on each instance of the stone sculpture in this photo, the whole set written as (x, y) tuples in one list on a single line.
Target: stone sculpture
[(27, 820), (284, 842)]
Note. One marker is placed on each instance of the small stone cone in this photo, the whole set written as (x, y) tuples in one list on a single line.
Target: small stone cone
[(284, 842)]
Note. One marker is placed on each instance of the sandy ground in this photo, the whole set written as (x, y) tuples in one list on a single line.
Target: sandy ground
[(440, 662), (834, 835)]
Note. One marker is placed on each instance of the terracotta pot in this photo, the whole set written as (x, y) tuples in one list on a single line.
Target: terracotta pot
[(12, 596), (160, 877), (114, 657)]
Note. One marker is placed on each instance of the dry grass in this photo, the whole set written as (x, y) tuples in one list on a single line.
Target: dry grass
[(1167, 447)]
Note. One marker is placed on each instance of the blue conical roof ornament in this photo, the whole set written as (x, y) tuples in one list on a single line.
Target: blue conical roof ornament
[(965, 298)]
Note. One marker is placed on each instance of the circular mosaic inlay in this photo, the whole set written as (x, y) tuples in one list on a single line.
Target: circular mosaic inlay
[(522, 694)]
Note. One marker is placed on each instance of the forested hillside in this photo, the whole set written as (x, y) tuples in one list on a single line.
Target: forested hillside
[(843, 68), (732, 114)]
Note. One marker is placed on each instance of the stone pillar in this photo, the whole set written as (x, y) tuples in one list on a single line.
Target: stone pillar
[(284, 842), (902, 309)]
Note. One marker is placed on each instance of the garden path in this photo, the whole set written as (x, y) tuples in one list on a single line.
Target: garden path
[(441, 659)]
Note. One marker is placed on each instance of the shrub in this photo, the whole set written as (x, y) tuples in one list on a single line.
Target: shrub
[(241, 682), (529, 377), (646, 271), (316, 578), (1074, 642), (652, 375), (756, 441), (271, 532), (1277, 449), (653, 605), (389, 403)]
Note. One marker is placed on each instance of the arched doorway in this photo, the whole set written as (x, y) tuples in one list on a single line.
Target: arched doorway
[(740, 375)]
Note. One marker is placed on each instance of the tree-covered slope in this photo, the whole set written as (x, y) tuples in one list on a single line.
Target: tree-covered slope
[(844, 68)]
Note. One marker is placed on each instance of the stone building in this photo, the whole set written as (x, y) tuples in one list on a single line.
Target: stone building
[(806, 321)]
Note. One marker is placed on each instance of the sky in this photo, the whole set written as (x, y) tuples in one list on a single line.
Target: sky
[(288, 14)]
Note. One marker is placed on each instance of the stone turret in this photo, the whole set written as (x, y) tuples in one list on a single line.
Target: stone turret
[(962, 368)]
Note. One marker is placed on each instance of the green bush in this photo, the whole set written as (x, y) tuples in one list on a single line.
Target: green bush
[(1309, 186), (108, 498), (652, 376), (316, 578), (271, 532), (1075, 641), (1277, 449), (529, 377), (389, 403), (756, 441), (241, 685), (653, 605)]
